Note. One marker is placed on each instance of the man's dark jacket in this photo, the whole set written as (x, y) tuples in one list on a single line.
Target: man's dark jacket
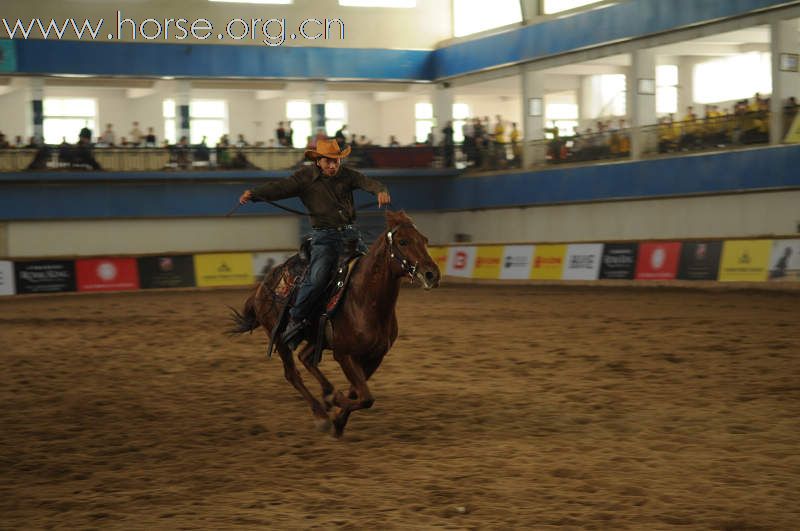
[(329, 200)]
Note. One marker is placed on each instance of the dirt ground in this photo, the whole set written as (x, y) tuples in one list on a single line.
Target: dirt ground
[(500, 407)]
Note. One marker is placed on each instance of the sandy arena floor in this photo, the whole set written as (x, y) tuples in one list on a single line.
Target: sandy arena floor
[(500, 407)]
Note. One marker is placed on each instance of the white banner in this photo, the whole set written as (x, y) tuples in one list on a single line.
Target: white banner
[(583, 261), (461, 261), (6, 278), (516, 263), (264, 262), (784, 262)]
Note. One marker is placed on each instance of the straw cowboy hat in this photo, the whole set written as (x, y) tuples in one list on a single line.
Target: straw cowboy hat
[(328, 149)]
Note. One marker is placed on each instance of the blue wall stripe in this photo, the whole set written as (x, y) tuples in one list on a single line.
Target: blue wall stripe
[(213, 60), (627, 20), (171, 196)]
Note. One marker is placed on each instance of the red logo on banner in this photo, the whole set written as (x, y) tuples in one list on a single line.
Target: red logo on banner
[(658, 261), (107, 274), (460, 260)]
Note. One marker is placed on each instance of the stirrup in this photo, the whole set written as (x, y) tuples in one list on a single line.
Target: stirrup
[(292, 334)]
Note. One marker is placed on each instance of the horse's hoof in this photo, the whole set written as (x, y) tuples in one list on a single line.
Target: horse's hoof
[(322, 425)]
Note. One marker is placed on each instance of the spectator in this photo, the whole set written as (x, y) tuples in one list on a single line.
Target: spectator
[(339, 136), (241, 142), (3, 142), (499, 142), (516, 146), (150, 138), (182, 153), (280, 135), (82, 153), (18, 143), (135, 135), (789, 113), (363, 141), (108, 138), (449, 147), (393, 141)]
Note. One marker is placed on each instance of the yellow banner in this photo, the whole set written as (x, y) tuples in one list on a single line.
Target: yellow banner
[(439, 255), (223, 269), (487, 262), (745, 260), (548, 262)]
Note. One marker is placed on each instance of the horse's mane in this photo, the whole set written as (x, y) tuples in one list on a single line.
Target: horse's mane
[(394, 218)]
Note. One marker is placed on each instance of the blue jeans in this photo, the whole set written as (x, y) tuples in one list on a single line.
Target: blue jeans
[(326, 247)]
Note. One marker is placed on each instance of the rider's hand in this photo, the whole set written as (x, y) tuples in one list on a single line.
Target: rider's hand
[(246, 196), (384, 199)]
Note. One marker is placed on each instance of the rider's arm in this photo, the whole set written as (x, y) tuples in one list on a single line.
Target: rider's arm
[(272, 191), (366, 183)]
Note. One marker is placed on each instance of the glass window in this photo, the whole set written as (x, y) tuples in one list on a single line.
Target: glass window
[(557, 6), (561, 112), (460, 115), (472, 16), (378, 3), (335, 116), (65, 117), (423, 113), (207, 118), (298, 109), (666, 89), (299, 114), (612, 95), (733, 78)]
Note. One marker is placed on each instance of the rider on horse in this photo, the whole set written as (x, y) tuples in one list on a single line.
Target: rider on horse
[(326, 189)]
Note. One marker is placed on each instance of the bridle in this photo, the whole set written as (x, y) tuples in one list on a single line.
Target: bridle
[(405, 263)]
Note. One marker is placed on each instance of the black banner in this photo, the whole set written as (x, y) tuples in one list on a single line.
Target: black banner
[(166, 272), (700, 260), (619, 261), (50, 276)]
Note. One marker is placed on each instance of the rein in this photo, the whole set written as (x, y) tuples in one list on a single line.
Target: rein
[(408, 268)]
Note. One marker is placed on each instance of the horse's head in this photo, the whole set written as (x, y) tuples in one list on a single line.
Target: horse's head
[(408, 250)]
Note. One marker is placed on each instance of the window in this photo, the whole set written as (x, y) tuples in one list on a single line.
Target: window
[(561, 112), (472, 16), (207, 118), (335, 116), (378, 3), (557, 6), (666, 89), (65, 117), (460, 115), (423, 114), (733, 78), (612, 95), (299, 114)]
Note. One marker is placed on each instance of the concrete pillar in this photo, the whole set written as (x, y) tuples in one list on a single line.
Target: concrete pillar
[(443, 98), (532, 116), (37, 109), (641, 97), (531, 9), (183, 97), (785, 40), (685, 85), (318, 96)]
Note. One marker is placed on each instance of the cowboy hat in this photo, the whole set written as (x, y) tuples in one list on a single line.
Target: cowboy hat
[(328, 149)]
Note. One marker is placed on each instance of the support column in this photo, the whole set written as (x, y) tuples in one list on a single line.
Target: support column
[(532, 116), (318, 96), (785, 40), (182, 99), (641, 97), (531, 9), (37, 109), (443, 99)]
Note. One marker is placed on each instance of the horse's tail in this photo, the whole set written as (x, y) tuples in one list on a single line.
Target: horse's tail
[(245, 321)]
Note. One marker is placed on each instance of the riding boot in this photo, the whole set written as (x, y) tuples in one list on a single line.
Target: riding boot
[(294, 332)]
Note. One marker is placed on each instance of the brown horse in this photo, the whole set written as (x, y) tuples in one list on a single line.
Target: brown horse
[(363, 328)]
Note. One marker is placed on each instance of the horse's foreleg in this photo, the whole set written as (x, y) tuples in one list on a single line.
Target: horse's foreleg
[(293, 376), (363, 400), (327, 386)]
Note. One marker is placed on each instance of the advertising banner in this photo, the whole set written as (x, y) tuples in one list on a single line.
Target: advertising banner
[(700, 260), (49, 276), (107, 274), (548, 262), (619, 261), (487, 262), (784, 264), (6, 277), (461, 261), (517, 261), (745, 260), (583, 261), (439, 255), (166, 271), (658, 260), (263, 263), (223, 269)]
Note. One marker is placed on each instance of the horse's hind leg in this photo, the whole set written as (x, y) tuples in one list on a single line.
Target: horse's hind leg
[(327, 386), (293, 376)]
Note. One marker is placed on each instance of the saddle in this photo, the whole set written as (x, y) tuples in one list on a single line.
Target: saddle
[(290, 275)]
